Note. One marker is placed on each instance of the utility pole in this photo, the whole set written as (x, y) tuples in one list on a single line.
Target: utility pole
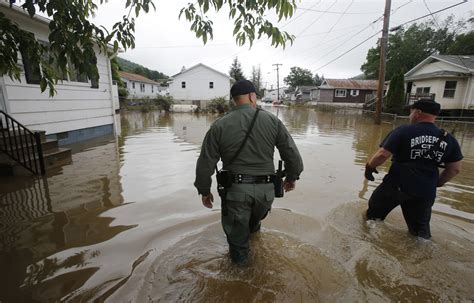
[(278, 80), (383, 58)]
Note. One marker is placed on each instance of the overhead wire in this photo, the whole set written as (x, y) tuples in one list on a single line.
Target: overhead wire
[(418, 18), (348, 51), (434, 19)]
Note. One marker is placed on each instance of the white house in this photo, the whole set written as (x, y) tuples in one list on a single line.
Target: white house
[(446, 78), (81, 109), (199, 84), (140, 87), (272, 94)]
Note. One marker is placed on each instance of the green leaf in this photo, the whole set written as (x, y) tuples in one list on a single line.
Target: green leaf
[(43, 84)]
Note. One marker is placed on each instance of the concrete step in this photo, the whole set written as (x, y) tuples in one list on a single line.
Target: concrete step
[(59, 157), (5, 133), (48, 144), (52, 159)]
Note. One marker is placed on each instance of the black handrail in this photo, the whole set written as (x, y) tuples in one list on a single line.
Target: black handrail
[(21, 144)]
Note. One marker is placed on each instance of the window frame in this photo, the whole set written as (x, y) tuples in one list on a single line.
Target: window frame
[(356, 92), (338, 91), (211, 85), (450, 90), (183, 84)]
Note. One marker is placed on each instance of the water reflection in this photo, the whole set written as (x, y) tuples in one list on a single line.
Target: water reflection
[(124, 223), (41, 216)]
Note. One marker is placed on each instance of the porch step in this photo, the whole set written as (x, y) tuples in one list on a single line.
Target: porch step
[(59, 157), (48, 144), (5, 133)]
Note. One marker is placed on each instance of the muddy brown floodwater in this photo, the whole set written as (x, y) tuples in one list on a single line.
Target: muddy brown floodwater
[(123, 223)]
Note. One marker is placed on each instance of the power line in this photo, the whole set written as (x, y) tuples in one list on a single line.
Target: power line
[(337, 13), (348, 51), (430, 14), (353, 35), (434, 19), (186, 46), (311, 24), (392, 29)]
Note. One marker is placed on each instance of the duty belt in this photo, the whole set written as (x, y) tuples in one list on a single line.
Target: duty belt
[(248, 179)]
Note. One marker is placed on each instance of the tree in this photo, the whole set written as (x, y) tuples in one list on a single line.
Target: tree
[(256, 79), (318, 80), (73, 37), (236, 70), (396, 94), (407, 48), (299, 76), (463, 45)]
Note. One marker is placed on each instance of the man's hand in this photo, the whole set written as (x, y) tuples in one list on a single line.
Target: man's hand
[(288, 185), (207, 200), (369, 172)]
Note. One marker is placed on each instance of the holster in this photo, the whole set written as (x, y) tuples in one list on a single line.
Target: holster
[(224, 178), (224, 181), (278, 183)]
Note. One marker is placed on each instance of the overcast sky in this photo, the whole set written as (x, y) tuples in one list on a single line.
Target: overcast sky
[(323, 32)]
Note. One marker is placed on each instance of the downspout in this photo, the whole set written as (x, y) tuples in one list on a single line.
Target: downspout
[(467, 94), (111, 87)]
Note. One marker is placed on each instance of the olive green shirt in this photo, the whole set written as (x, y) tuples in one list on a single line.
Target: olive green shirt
[(256, 158)]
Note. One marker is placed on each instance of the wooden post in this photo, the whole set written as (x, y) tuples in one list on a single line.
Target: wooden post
[(383, 51)]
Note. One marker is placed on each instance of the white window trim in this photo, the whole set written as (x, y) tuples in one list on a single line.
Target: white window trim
[(338, 93), (354, 92)]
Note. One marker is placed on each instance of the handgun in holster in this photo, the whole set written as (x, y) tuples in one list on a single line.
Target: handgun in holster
[(224, 181), (278, 180)]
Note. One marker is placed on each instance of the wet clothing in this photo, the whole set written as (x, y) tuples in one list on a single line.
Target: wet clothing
[(417, 151), (246, 204)]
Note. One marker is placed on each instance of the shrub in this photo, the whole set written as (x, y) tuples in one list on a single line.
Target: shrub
[(396, 95), (218, 105), (164, 102)]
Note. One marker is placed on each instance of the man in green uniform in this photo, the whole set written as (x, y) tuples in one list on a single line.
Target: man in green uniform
[(251, 194)]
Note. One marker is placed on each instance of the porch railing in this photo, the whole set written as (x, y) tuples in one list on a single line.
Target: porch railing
[(412, 98), (21, 144)]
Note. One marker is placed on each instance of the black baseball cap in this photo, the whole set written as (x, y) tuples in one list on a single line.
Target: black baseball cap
[(428, 106), (242, 87)]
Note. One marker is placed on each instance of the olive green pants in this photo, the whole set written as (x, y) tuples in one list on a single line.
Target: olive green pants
[(246, 205)]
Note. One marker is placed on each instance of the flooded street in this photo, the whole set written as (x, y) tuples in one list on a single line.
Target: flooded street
[(123, 223)]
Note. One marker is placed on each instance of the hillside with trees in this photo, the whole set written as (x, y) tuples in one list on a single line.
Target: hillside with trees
[(131, 67)]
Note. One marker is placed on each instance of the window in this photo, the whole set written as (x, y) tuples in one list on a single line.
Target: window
[(341, 93), (354, 92), (152, 88), (32, 69), (125, 84), (422, 90), (449, 89), (74, 74), (51, 58), (133, 85), (142, 87), (183, 84), (94, 80), (211, 85)]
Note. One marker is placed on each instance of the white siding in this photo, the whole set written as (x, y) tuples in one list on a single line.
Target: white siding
[(436, 67), (135, 93), (75, 106), (197, 85), (437, 87)]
